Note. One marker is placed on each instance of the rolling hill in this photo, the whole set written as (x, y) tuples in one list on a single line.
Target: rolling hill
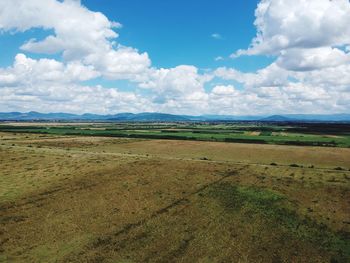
[(164, 117)]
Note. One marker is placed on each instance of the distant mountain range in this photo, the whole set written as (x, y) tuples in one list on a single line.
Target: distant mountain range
[(163, 117)]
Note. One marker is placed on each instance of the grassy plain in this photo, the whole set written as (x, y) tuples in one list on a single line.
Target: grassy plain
[(102, 199), (301, 134)]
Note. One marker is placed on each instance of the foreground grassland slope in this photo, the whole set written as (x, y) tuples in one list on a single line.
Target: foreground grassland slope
[(97, 199)]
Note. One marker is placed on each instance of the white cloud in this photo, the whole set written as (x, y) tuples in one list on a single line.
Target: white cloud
[(223, 90), (272, 75), (80, 34), (219, 58), (47, 85), (181, 87), (76, 28), (71, 98), (299, 24), (321, 90), (50, 85), (181, 79), (311, 59), (123, 63), (310, 41), (216, 36), (30, 71)]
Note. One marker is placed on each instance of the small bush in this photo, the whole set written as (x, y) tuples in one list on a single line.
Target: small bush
[(273, 164)]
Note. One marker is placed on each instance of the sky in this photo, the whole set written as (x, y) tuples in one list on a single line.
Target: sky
[(252, 57)]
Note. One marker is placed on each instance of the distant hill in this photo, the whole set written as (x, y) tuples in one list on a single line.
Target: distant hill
[(319, 117), (231, 117), (277, 118), (33, 115), (308, 117), (148, 116), (164, 117), (37, 116)]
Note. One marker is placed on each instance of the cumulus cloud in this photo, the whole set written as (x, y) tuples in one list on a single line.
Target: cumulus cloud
[(80, 34), (270, 76), (27, 70), (311, 59), (47, 85), (70, 98), (310, 41), (181, 79), (283, 25), (311, 72), (123, 63), (223, 90), (321, 90), (181, 87), (76, 28)]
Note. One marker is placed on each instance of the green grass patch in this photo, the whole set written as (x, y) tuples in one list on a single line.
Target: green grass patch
[(56, 252), (276, 212)]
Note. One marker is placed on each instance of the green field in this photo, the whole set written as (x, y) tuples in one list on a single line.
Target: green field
[(333, 135)]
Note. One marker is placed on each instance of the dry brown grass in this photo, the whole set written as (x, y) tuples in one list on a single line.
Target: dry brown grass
[(320, 157), (236, 152), (82, 199)]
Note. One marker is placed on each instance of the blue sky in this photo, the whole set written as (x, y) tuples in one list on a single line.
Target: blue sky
[(179, 32), (172, 32), (188, 57)]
